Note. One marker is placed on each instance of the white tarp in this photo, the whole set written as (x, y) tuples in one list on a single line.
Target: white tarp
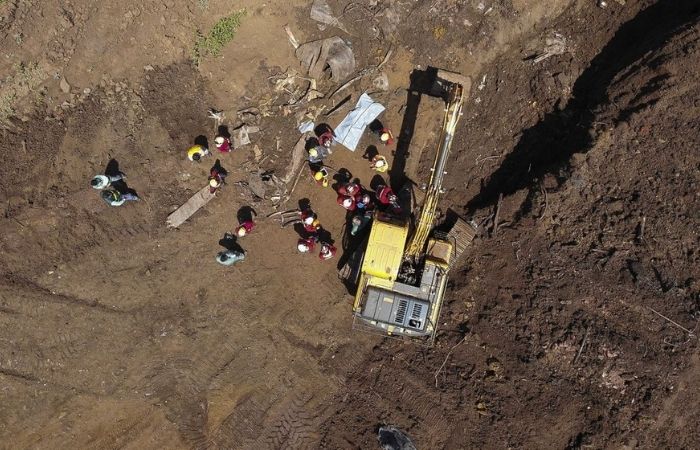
[(350, 130)]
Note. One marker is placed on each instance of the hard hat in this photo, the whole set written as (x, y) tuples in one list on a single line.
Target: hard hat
[(303, 247), (213, 183), (385, 137), (379, 162), (313, 152), (347, 202), (241, 231), (318, 176), (309, 220), (99, 182), (219, 140)]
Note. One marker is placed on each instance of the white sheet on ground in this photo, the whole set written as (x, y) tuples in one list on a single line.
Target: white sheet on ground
[(350, 130)]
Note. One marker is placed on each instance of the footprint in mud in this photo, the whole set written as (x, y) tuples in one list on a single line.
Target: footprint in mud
[(495, 370)]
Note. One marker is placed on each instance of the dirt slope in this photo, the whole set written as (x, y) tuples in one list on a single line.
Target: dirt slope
[(119, 333)]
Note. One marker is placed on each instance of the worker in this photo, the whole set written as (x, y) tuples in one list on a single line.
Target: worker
[(318, 154), (379, 163), (359, 221), (244, 228), (326, 139), (216, 178), (360, 201), (103, 181), (116, 198), (347, 202), (230, 257), (306, 245), (386, 136), (350, 189), (364, 201), (387, 198), (222, 143), (310, 221), (196, 152), (321, 177), (327, 251)]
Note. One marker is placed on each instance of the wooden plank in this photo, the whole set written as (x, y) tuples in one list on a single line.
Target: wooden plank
[(191, 206)]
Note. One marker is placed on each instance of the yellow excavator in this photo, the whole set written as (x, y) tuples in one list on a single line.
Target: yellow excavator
[(402, 278)]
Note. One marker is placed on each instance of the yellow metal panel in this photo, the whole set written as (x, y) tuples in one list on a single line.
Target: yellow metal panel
[(384, 250)]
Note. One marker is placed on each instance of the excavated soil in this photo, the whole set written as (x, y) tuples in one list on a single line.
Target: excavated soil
[(570, 323)]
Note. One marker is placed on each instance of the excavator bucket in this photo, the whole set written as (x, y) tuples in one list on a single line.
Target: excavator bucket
[(455, 78)]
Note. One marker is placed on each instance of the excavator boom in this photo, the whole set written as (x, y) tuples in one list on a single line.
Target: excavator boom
[(424, 225)]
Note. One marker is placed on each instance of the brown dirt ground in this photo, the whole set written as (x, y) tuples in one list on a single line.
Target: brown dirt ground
[(571, 323)]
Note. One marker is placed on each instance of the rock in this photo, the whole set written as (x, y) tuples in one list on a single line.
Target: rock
[(616, 207), (87, 91), (148, 68), (65, 87)]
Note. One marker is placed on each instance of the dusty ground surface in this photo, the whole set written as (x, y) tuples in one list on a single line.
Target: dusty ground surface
[(571, 323)]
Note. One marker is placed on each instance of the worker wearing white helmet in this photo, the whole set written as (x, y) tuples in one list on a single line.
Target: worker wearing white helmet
[(230, 257), (306, 245), (216, 178), (379, 163), (386, 136), (103, 181), (223, 144), (244, 228)]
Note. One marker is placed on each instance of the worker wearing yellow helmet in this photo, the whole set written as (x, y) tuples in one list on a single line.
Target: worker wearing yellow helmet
[(318, 154), (196, 152), (321, 176)]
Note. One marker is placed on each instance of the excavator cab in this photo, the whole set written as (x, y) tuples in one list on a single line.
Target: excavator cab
[(404, 268)]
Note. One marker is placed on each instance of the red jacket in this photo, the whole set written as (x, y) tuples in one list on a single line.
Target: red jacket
[(248, 225), (225, 147), (384, 194), (352, 205), (327, 252)]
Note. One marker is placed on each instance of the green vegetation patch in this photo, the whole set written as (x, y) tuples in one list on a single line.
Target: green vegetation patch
[(221, 34)]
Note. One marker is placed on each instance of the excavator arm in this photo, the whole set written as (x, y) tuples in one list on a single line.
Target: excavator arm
[(455, 86)]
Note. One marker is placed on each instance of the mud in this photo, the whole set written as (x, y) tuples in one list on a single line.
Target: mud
[(571, 322)]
